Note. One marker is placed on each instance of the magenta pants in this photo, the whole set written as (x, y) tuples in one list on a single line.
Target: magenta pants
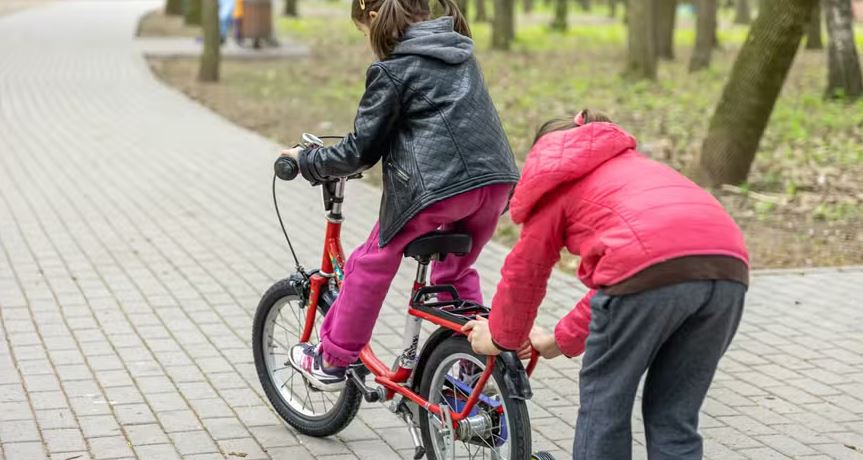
[(370, 269)]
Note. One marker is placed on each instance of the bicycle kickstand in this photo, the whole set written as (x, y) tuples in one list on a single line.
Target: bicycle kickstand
[(407, 417)]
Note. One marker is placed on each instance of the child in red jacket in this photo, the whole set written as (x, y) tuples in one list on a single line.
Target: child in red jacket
[(668, 272)]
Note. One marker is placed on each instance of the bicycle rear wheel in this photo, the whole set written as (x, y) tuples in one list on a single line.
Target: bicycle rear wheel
[(498, 427), (278, 325)]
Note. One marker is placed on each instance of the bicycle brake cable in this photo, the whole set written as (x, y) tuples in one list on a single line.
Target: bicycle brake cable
[(300, 268)]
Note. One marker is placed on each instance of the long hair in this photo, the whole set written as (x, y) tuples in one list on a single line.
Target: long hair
[(395, 16), (561, 124)]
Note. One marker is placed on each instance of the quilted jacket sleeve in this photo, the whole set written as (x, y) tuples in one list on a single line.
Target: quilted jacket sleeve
[(571, 331), (525, 276), (376, 118)]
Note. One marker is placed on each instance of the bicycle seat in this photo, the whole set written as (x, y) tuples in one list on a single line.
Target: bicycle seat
[(440, 244)]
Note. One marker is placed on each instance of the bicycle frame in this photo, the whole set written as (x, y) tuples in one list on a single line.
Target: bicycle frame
[(393, 380)]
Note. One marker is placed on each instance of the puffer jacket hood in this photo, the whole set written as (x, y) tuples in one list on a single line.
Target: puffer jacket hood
[(436, 39), (565, 156)]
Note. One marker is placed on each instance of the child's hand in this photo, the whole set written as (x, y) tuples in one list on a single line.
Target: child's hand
[(544, 343), (292, 153), (479, 336)]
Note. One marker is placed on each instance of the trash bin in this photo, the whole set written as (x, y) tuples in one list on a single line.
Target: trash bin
[(257, 23)]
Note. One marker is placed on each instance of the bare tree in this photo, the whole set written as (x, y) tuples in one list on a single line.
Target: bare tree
[(705, 35), (742, 15), (209, 69), (463, 6), (813, 36), (751, 92), (174, 7), (481, 15), (192, 12), (503, 27), (642, 57), (666, 15), (844, 79), (560, 13)]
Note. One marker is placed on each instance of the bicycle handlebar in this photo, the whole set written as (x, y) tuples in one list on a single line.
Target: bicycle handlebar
[(286, 168)]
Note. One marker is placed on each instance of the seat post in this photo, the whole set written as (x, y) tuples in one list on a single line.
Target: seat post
[(422, 271)]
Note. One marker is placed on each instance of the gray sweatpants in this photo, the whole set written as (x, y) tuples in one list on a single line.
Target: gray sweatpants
[(676, 334)]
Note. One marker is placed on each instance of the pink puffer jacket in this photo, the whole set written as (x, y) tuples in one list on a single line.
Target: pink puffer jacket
[(589, 190)]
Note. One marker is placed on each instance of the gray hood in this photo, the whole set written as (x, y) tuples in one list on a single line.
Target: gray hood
[(437, 39)]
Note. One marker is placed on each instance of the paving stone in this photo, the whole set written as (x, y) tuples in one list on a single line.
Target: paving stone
[(99, 425), (23, 450), (179, 420), (290, 453), (193, 442), (19, 431), (110, 447), (245, 448), (157, 451), (64, 440), (142, 435), (273, 436), (56, 418), (225, 428)]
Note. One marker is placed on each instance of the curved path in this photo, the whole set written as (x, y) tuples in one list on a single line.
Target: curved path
[(137, 234)]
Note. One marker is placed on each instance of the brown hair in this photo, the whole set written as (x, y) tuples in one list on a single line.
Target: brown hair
[(394, 17), (562, 124)]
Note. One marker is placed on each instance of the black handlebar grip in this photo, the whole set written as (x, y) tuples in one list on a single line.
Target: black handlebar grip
[(286, 168)]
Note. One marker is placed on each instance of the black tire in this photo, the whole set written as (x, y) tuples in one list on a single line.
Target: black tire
[(517, 418), (345, 407)]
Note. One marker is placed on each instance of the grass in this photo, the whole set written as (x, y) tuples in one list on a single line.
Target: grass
[(801, 207)]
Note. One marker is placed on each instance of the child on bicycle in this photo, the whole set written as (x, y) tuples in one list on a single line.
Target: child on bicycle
[(667, 268), (447, 164)]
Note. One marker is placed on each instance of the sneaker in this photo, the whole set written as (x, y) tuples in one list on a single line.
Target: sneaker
[(307, 359)]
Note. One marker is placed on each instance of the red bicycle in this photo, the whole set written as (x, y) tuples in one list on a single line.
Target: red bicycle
[(463, 405)]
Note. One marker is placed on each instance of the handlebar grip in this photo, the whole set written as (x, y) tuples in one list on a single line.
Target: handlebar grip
[(286, 168)]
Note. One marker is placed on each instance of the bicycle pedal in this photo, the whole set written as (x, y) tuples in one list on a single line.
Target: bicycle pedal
[(369, 394)]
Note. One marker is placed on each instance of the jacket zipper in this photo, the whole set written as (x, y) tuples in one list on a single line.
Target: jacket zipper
[(399, 172)]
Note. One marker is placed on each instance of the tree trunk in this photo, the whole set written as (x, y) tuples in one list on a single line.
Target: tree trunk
[(560, 13), (750, 94), (291, 8), (813, 35), (665, 18), (742, 15), (612, 8), (705, 35), (585, 4), (174, 7), (642, 57), (844, 79), (462, 6), (481, 14), (503, 28), (193, 12), (209, 70), (528, 6)]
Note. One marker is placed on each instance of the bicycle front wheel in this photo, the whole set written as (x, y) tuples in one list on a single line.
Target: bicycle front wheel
[(278, 324), (497, 428)]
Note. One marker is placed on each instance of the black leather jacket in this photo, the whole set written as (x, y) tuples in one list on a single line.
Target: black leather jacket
[(427, 115)]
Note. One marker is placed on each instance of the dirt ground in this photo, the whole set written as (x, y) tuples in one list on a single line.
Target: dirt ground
[(801, 208), (11, 6)]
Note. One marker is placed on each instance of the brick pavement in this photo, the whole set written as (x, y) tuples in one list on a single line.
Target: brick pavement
[(137, 234)]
